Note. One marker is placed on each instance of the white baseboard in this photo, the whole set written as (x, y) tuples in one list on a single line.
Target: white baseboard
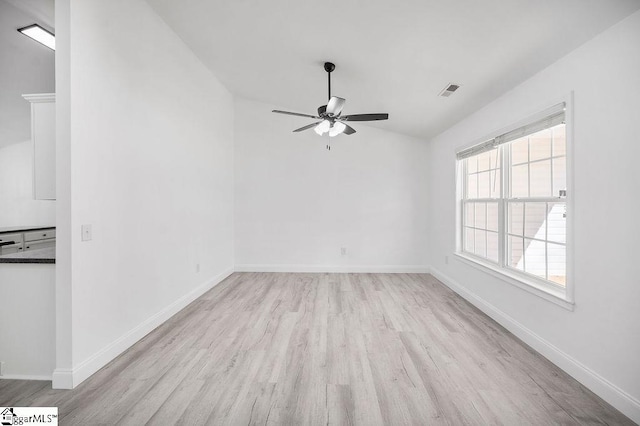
[(70, 378), (62, 378), (24, 377), (380, 269), (615, 396)]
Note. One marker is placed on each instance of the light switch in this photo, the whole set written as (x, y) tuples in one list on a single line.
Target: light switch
[(86, 232)]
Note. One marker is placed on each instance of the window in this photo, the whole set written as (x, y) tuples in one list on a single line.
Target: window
[(513, 206)]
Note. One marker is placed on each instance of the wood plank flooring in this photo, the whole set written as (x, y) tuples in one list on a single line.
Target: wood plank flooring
[(325, 349)]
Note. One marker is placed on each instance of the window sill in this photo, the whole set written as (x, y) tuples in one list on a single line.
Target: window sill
[(552, 295)]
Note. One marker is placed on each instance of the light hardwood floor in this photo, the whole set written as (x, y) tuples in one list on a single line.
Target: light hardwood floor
[(325, 349)]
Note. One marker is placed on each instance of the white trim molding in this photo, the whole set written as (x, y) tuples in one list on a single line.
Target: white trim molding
[(608, 391), (62, 378), (40, 97), (517, 280), (25, 377), (70, 378), (551, 114), (380, 269)]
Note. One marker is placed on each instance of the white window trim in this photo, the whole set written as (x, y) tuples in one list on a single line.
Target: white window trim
[(541, 290), (563, 298)]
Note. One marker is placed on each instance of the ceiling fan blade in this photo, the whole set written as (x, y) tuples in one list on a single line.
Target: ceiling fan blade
[(294, 113), (335, 105), (308, 126), (365, 117), (348, 130)]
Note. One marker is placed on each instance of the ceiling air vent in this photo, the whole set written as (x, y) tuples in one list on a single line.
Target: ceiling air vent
[(447, 91)]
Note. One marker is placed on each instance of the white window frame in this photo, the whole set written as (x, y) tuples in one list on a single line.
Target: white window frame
[(563, 297)]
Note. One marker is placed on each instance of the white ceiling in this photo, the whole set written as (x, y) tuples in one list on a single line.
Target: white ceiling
[(42, 11), (390, 56)]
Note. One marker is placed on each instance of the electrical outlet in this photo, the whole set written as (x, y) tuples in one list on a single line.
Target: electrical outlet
[(343, 251), (1, 368), (86, 233), (446, 260), (197, 267)]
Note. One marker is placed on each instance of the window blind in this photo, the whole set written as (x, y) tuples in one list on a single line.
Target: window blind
[(553, 117)]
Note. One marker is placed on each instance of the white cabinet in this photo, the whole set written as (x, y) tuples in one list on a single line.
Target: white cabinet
[(10, 243), (35, 245), (43, 234), (16, 238), (18, 241), (43, 135), (43, 238), (12, 249)]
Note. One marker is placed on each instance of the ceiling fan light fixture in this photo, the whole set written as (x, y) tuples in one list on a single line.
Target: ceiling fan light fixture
[(336, 129), (323, 127)]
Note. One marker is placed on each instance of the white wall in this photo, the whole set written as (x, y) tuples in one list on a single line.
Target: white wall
[(17, 206), (297, 204), (63, 373), (599, 342), (149, 145), (27, 321)]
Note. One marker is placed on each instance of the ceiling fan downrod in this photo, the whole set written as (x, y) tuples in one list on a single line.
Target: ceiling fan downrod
[(329, 67)]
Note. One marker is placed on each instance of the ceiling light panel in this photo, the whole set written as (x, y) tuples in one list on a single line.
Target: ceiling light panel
[(39, 34)]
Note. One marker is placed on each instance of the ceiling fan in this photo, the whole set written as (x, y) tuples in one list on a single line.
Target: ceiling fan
[(330, 115)]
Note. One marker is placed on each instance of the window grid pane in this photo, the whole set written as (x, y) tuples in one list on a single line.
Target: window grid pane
[(540, 179), (557, 263), (468, 240), (540, 145), (535, 255), (557, 222), (492, 246), (480, 222), (559, 172), (515, 252), (480, 248), (520, 181), (482, 175), (535, 220)]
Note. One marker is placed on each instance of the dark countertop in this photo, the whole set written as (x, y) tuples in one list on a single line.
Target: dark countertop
[(45, 255), (24, 228)]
